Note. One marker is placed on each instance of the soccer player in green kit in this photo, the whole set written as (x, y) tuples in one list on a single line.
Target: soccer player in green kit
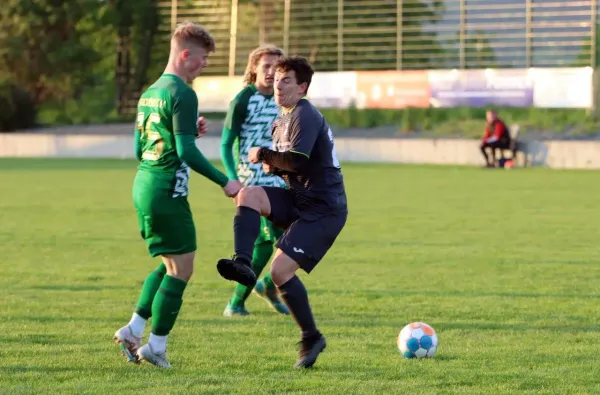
[(167, 127), (248, 124)]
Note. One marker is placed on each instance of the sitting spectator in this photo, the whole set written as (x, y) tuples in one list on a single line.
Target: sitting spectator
[(496, 136)]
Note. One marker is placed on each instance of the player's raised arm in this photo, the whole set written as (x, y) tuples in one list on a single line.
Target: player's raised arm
[(185, 113), (231, 131)]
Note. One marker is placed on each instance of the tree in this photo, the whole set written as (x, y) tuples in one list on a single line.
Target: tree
[(314, 33), (479, 51), (266, 12), (136, 24), (57, 49), (369, 34), (42, 46), (587, 57), (421, 48)]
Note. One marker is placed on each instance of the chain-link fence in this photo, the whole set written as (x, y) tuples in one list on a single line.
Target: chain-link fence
[(397, 34)]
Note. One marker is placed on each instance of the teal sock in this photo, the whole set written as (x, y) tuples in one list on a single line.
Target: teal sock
[(151, 285), (260, 257), (166, 305), (269, 284)]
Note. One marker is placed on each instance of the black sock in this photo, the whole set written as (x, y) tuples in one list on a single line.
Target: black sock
[(246, 227), (485, 155), (294, 295)]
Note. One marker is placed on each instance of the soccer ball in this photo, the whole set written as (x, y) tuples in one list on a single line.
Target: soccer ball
[(417, 340)]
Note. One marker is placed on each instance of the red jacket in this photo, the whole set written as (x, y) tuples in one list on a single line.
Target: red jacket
[(496, 131)]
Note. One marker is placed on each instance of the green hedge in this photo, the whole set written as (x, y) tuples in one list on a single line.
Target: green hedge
[(465, 121), (98, 107), (94, 106), (462, 121)]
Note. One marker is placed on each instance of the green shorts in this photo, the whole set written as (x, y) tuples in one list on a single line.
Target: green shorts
[(165, 223), (268, 232)]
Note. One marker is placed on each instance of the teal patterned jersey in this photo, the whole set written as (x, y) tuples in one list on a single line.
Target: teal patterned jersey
[(249, 121)]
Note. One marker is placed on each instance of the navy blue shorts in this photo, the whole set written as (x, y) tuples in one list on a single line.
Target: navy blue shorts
[(307, 236)]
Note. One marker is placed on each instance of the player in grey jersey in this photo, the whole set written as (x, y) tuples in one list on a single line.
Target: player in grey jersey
[(247, 125), (313, 209)]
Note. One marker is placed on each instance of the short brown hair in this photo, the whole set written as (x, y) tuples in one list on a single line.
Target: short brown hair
[(194, 34), (254, 58), (301, 66)]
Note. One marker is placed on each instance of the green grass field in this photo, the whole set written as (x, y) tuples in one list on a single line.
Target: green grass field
[(504, 265)]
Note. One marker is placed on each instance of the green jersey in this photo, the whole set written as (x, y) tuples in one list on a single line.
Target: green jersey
[(165, 145), (167, 125), (248, 124)]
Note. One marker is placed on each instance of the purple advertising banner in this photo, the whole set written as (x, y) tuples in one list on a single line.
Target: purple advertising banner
[(479, 88)]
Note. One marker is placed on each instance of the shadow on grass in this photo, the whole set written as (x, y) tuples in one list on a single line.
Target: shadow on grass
[(520, 327), (75, 368), (16, 164), (468, 294), (35, 339), (79, 288), (366, 320), (42, 319)]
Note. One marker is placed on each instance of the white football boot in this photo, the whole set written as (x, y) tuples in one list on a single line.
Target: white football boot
[(128, 342), (145, 353)]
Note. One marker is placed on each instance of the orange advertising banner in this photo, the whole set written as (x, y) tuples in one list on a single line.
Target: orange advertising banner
[(392, 89)]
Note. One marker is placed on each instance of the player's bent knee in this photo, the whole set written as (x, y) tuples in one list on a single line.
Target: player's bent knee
[(180, 266), (245, 197), (283, 268), (255, 198)]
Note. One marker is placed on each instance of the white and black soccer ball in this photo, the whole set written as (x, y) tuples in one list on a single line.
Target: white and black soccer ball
[(417, 340)]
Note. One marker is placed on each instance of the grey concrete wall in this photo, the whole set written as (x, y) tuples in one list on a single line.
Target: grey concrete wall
[(553, 154)]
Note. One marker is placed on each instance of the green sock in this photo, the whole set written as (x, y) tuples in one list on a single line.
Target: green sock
[(260, 257), (269, 284), (151, 285), (166, 305)]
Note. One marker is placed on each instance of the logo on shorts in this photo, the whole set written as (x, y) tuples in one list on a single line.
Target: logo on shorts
[(298, 250)]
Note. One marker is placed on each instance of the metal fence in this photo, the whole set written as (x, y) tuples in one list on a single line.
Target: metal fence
[(340, 35)]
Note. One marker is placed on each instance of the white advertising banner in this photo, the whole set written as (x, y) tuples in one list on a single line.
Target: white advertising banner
[(538, 87), (327, 90), (215, 93), (333, 89), (562, 87)]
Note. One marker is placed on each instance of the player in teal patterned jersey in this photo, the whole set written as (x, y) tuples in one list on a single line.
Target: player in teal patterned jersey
[(165, 144), (247, 125)]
